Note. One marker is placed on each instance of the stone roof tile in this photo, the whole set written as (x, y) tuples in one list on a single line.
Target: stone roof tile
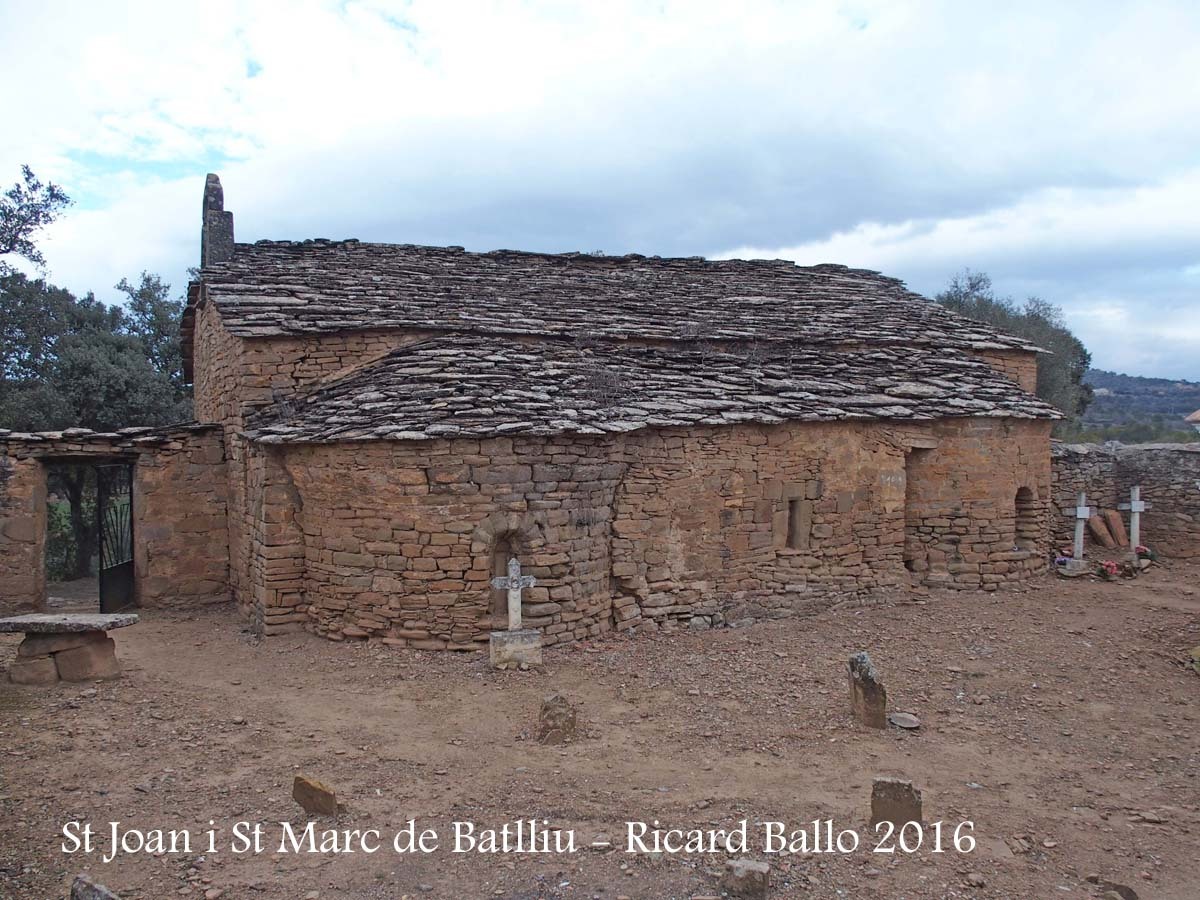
[(468, 385), (281, 287)]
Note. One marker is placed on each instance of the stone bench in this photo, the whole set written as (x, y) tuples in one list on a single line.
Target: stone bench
[(67, 647)]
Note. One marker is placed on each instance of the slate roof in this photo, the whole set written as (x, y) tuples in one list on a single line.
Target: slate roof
[(478, 385), (284, 287), (86, 438)]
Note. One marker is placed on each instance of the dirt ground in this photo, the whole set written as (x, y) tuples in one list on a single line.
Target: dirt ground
[(1060, 720)]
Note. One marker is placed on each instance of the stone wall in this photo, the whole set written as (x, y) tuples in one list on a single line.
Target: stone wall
[(724, 524), (1168, 474), (22, 534), (694, 527), (179, 507), (1019, 365), (181, 551), (232, 377), (977, 504), (402, 541)]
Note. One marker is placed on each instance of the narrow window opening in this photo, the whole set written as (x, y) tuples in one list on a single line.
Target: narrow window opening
[(799, 524), (502, 552), (1027, 525)]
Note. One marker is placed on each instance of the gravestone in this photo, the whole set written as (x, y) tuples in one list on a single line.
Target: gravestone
[(1116, 527), (1100, 532), (895, 800), (518, 645), (557, 720), (746, 878), (83, 888), (868, 697), (316, 798)]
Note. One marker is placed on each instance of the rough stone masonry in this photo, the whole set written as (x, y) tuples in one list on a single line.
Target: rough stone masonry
[(661, 443)]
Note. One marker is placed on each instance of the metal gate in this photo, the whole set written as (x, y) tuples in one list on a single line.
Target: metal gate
[(114, 514)]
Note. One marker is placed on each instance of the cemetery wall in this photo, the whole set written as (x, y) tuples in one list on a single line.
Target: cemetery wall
[(22, 533), (1168, 474), (181, 555)]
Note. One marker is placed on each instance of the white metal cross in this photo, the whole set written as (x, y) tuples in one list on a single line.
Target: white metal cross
[(1082, 514), (514, 582), (1136, 507)]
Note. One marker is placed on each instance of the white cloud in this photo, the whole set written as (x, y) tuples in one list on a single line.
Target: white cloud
[(914, 137)]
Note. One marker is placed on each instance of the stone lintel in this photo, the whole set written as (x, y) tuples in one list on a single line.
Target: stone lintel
[(49, 623)]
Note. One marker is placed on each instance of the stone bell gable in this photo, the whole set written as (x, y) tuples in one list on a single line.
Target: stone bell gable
[(678, 441)]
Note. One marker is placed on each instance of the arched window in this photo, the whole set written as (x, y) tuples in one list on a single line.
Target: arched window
[(1028, 528), (502, 552)]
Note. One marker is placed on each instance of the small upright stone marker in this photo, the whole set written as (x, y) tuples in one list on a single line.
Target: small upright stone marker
[(83, 888), (1116, 527), (557, 720), (868, 697), (517, 645), (1099, 529), (747, 878), (316, 798), (895, 800)]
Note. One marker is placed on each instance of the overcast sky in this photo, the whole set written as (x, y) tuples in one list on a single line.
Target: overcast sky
[(1054, 145)]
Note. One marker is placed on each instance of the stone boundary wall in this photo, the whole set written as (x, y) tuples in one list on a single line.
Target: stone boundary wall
[(692, 527), (1169, 476), (179, 506), (22, 533)]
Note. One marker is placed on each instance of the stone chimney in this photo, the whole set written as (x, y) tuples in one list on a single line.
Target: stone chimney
[(216, 232)]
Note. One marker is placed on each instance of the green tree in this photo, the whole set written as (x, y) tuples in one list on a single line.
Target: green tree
[(67, 361), (77, 362), (1061, 370), (153, 317), (25, 209)]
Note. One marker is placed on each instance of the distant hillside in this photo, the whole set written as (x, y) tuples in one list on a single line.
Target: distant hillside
[(1130, 399)]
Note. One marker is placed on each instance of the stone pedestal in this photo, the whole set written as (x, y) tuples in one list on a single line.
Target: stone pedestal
[(1075, 568), (80, 656), (70, 647), (511, 648)]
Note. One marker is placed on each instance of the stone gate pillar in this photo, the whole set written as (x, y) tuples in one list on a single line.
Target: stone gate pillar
[(22, 534)]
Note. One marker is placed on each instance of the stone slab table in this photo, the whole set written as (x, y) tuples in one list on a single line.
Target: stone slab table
[(66, 647)]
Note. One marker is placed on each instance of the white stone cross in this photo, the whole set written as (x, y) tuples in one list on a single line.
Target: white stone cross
[(514, 582), (1082, 514), (1136, 507)]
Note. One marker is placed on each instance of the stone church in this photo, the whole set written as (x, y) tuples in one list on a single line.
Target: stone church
[(661, 442)]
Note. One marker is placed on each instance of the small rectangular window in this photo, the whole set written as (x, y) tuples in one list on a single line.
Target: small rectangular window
[(799, 524)]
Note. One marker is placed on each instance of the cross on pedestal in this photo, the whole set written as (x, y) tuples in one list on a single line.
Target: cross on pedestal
[(514, 582), (1136, 507), (1082, 513)]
